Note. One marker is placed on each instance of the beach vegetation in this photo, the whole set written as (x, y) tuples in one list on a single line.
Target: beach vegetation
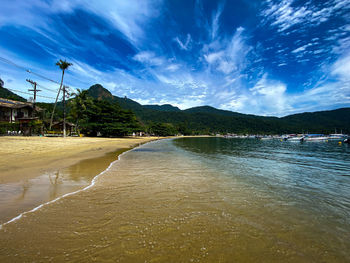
[(102, 118), (162, 129)]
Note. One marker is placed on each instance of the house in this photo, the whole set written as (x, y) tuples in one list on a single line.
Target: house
[(12, 111), (22, 113)]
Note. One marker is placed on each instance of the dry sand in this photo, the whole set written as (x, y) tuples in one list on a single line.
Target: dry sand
[(28, 157)]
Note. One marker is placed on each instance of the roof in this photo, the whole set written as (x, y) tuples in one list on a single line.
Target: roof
[(58, 123), (14, 104)]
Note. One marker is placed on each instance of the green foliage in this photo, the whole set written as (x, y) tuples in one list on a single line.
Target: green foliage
[(6, 126), (101, 117), (97, 91), (7, 94), (36, 126), (162, 129), (63, 64), (97, 111), (208, 120)]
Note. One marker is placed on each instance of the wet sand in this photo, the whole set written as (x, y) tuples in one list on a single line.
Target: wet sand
[(36, 170), (28, 157), (162, 204)]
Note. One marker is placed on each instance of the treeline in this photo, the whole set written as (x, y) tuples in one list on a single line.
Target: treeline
[(101, 112), (100, 117), (96, 111)]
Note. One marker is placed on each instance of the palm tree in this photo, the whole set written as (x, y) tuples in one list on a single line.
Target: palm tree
[(79, 106), (63, 66)]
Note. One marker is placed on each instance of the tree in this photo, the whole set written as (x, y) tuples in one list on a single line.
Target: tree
[(162, 129), (1, 83), (79, 105), (63, 66)]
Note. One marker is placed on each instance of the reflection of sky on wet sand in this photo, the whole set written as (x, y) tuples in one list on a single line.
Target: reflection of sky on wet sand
[(182, 201), (19, 197)]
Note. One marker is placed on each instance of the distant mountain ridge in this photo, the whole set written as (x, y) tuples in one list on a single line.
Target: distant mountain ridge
[(210, 119), (207, 119)]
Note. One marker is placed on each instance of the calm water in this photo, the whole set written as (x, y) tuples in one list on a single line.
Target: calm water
[(200, 200), (19, 197)]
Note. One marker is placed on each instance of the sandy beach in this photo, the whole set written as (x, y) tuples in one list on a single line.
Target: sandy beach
[(27, 157)]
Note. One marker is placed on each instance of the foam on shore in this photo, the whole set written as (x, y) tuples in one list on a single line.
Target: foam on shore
[(93, 181)]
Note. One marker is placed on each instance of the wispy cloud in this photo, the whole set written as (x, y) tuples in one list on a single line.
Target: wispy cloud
[(286, 14), (188, 54), (184, 45)]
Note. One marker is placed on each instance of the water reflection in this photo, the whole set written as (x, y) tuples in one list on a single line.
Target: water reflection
[(172, 204), (19, 197)]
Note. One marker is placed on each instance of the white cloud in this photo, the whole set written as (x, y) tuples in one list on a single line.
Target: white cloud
[(213, 57), (149, 58), (341, 68), (129, 17), (302, 48), (172, 67), (227, 56), (270, 95), (237, 103), (285, 14), (184, 45)]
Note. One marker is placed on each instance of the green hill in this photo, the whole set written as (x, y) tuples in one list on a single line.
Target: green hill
[(7, 94), (206, 119)]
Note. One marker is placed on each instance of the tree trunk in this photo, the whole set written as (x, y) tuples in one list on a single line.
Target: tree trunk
[(58, 94)]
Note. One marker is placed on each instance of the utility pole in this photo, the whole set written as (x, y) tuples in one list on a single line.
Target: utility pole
[(35, 91), (64, 109)]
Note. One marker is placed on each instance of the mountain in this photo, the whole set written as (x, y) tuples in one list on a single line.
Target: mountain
[(206, 119), (320, 121), (97, 91), (7, 94), (164, 107)]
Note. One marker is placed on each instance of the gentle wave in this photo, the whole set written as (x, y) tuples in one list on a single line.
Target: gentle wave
[(93, 181)]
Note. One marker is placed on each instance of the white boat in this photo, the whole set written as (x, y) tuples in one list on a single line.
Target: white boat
[(337, 137), (315, 138), (296, 139)]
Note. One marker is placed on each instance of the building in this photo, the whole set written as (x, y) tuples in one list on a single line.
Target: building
[(19, 113), (12, 111), (57, 128)]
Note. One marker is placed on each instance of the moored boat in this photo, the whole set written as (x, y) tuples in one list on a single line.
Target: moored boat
[(336, 137), (315, 138)]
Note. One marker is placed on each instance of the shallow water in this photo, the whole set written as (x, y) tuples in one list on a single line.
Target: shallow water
[(199, 200), (27, 194)]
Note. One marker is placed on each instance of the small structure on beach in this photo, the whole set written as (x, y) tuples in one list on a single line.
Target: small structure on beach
[(57, 128)]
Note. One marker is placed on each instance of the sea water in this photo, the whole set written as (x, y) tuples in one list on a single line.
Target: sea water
[(199, 200)]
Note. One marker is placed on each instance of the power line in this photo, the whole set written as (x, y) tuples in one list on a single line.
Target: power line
[(27, 70), (48, 89), (30, 93)]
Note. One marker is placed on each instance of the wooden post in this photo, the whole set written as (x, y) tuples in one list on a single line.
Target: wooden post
[(35, 91)]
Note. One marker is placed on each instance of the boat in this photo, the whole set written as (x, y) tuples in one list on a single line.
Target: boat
[(296, 139), (336, 137), (316, 138)]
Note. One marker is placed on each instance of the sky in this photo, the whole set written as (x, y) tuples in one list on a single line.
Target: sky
[(271, 58)]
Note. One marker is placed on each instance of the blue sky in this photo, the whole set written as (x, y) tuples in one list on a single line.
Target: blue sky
[(258, 57)]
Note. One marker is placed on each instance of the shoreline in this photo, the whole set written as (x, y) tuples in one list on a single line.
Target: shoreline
[(23, 158), (91, 184)]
